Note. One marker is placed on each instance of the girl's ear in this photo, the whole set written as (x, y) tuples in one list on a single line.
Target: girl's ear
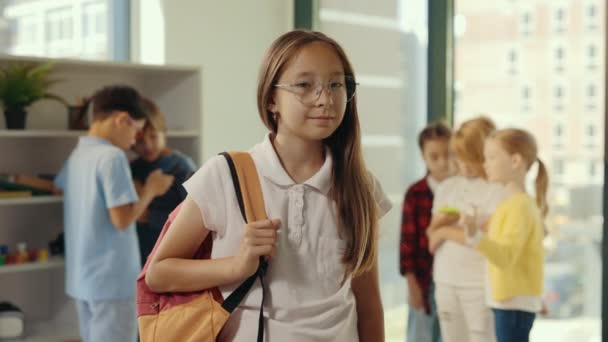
[(272, 107), (517, 161), (272, 103)]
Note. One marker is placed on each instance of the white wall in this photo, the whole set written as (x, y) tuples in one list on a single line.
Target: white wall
[(227, 39)]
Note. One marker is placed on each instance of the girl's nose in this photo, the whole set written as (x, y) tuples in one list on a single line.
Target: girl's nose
[(324, 95)]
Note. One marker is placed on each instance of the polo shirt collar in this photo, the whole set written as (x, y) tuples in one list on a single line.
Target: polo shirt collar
[(272, 169)]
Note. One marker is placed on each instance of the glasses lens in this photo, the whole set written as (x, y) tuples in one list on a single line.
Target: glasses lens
[(309, 94), (340, 91)]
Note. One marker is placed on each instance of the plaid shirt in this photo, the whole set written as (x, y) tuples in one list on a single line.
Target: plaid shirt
[(414, 253)]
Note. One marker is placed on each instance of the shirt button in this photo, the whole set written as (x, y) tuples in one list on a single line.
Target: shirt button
[(298, 220)]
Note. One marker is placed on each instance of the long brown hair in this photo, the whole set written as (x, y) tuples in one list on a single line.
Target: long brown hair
[(467, 143), (352, 185), (518, 141)]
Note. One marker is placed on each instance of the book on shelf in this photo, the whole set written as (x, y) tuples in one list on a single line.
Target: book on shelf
[(35, 185), (35, 182), (14, 194)]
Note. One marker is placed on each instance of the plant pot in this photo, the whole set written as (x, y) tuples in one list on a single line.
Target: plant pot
[(15, 118)]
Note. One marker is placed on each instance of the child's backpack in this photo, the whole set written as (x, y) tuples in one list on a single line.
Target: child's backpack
[(199, 316)]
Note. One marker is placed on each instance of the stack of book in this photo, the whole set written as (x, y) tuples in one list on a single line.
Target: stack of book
[(15, 186)]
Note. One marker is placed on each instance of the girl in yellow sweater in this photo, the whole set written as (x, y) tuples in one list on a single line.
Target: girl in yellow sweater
[(513, 245)]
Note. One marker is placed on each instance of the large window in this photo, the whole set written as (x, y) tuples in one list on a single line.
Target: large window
[(386, 42), (563, 56), (89, 29)]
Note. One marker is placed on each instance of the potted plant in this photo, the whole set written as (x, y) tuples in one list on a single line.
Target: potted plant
[(22, 84)]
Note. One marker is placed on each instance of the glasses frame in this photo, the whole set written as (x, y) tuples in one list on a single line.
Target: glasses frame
[(318, 88)]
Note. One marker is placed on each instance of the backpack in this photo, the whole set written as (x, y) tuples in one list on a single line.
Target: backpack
[(200, 315)]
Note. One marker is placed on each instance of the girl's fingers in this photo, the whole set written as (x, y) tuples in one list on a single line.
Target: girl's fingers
[(263, 241), (271, 255), (262, 250), (269, 224), (267, 233)]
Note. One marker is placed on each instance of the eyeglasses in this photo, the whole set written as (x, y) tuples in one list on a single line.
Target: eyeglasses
[(309, 92)]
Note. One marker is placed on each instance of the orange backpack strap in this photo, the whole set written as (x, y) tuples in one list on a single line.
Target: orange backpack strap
[(251, 204), (248, 186)]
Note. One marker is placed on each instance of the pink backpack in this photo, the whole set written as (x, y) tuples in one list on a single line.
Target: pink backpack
[(200, 315)]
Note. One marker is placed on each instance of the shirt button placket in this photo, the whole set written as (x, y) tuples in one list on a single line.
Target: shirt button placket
[(296, 199)]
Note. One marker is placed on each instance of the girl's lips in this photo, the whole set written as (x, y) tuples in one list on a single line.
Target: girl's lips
[(323, 121)]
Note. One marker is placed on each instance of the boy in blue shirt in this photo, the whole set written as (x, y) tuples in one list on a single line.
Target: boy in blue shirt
[(100, 209)]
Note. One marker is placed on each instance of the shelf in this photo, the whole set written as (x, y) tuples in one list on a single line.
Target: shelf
[(183, 134), (52, 264), (27, 133), (31, 200), (49, 332), (44, 336), (34, 133), (102, 66), (43, 147)]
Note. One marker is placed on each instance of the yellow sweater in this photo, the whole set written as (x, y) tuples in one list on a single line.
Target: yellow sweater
[(514, 249)]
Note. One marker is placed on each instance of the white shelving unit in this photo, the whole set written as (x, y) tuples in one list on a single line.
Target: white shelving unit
[(38, 288), (31, 200), (75, 134), (53, 264)]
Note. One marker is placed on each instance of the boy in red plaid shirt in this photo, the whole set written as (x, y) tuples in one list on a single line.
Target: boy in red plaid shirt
[(415, 260)]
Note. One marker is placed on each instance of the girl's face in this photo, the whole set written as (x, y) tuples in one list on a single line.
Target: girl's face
[(465, 169), (298, 110), (500, 167), (150, 144)]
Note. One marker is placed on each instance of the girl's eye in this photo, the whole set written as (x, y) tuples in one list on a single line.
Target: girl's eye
[(303, 85), (336, 85)]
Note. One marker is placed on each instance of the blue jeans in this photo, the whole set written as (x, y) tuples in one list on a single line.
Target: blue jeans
[(513, 325), (422, 327), (107, 320)]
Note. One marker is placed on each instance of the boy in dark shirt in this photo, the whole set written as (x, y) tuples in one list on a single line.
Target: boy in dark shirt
[(151, 147)]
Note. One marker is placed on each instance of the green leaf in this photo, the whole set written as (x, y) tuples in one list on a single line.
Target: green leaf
[(22, 84), (56, 98)]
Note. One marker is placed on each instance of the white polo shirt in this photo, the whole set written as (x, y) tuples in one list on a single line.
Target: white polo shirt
[(455, 264), (305, 298)]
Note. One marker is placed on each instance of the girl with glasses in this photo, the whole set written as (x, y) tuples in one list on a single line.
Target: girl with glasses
[(324, 205)]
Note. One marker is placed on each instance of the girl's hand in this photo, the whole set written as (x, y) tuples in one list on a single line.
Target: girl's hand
[(435, 240), (447, 219), (470, 222), (485, 227), (259, 239)]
